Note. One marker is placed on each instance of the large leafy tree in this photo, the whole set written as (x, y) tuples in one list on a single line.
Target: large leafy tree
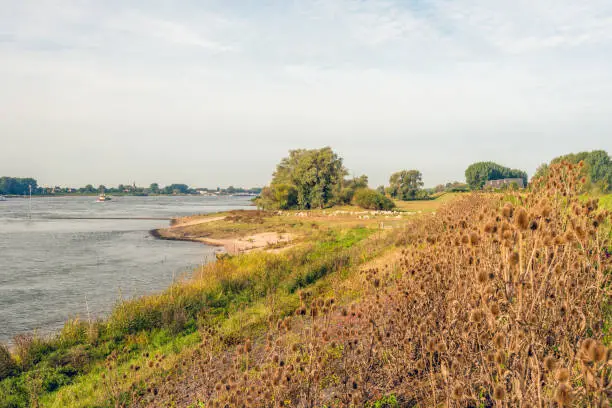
[(477, 174), (405, 184), (314, 177)]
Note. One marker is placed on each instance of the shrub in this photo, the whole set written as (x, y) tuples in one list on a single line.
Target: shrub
[(30, 349), (372, 200), (7, 364)]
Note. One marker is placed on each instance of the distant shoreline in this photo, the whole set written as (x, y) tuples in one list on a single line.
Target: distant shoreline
[(120, 195)]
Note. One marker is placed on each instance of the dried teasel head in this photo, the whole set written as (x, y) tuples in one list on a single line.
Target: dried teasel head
[(507, 210), (499, 392), (500, 358), (563, 395), (482, 276), (550, 363), (562, 375), (495, 311), (457, 393), (514, 258), (499, 340), (522, 219)]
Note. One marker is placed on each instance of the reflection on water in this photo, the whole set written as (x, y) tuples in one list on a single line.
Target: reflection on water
[(54, 269)]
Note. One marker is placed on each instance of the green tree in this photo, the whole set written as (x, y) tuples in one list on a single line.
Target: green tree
[(176, 189), (88, 189), (405, 184), (541, 171), (349, 187), (477, 174), (600, 169), (154, 188), (372, 199), (18, 186), (597, 169), (316, 174)]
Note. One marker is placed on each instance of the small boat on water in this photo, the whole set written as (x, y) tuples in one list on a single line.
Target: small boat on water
[(102, 198), (3, 198)]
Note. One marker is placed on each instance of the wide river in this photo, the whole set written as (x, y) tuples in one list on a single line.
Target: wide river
[(53, 268)]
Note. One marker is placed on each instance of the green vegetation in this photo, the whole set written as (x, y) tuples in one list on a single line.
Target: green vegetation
[(597, 169), (349, 187), (477, 174), (305, 179), (389, 401), (17, 186), (372, 200), (454, 187), (309, 179), (21, 186), (8, 367), (406, 185)]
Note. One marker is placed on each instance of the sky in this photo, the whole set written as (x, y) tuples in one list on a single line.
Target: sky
[(215, 92)]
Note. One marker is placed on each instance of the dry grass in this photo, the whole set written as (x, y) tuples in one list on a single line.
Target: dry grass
[(490, 304), (428, 205)]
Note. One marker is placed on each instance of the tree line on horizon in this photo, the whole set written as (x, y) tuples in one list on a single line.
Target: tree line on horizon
[(21, 186), (316, 178)]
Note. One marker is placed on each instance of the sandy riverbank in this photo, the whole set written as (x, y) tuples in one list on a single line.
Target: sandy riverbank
[(270, 241)]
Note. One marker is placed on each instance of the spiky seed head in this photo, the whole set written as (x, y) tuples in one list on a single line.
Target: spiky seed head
[(550, 363), (499, 392), (495, 311), (522, 219), (562, 375), (457, 392), (500, 358), (514, 258), (499, 340), (598, 352), (482, 276), (585, 350), (563, 395)]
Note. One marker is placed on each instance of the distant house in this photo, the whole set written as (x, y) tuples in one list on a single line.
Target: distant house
[(502, 183)]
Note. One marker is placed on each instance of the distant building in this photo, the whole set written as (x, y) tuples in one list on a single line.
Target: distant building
[(502, 183)]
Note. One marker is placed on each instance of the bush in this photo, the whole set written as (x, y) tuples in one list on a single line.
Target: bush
[(372, 200), (30, 350), (7, 364)]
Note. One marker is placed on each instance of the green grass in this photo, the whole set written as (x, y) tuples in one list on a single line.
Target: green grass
[(605, 201)]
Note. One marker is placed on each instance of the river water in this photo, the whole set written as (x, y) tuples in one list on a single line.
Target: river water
[(53, 269)]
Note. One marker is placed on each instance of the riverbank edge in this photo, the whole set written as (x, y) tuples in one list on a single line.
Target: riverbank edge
[(159, 234)]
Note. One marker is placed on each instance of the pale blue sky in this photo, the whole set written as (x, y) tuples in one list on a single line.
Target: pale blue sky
[(216, 92)]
